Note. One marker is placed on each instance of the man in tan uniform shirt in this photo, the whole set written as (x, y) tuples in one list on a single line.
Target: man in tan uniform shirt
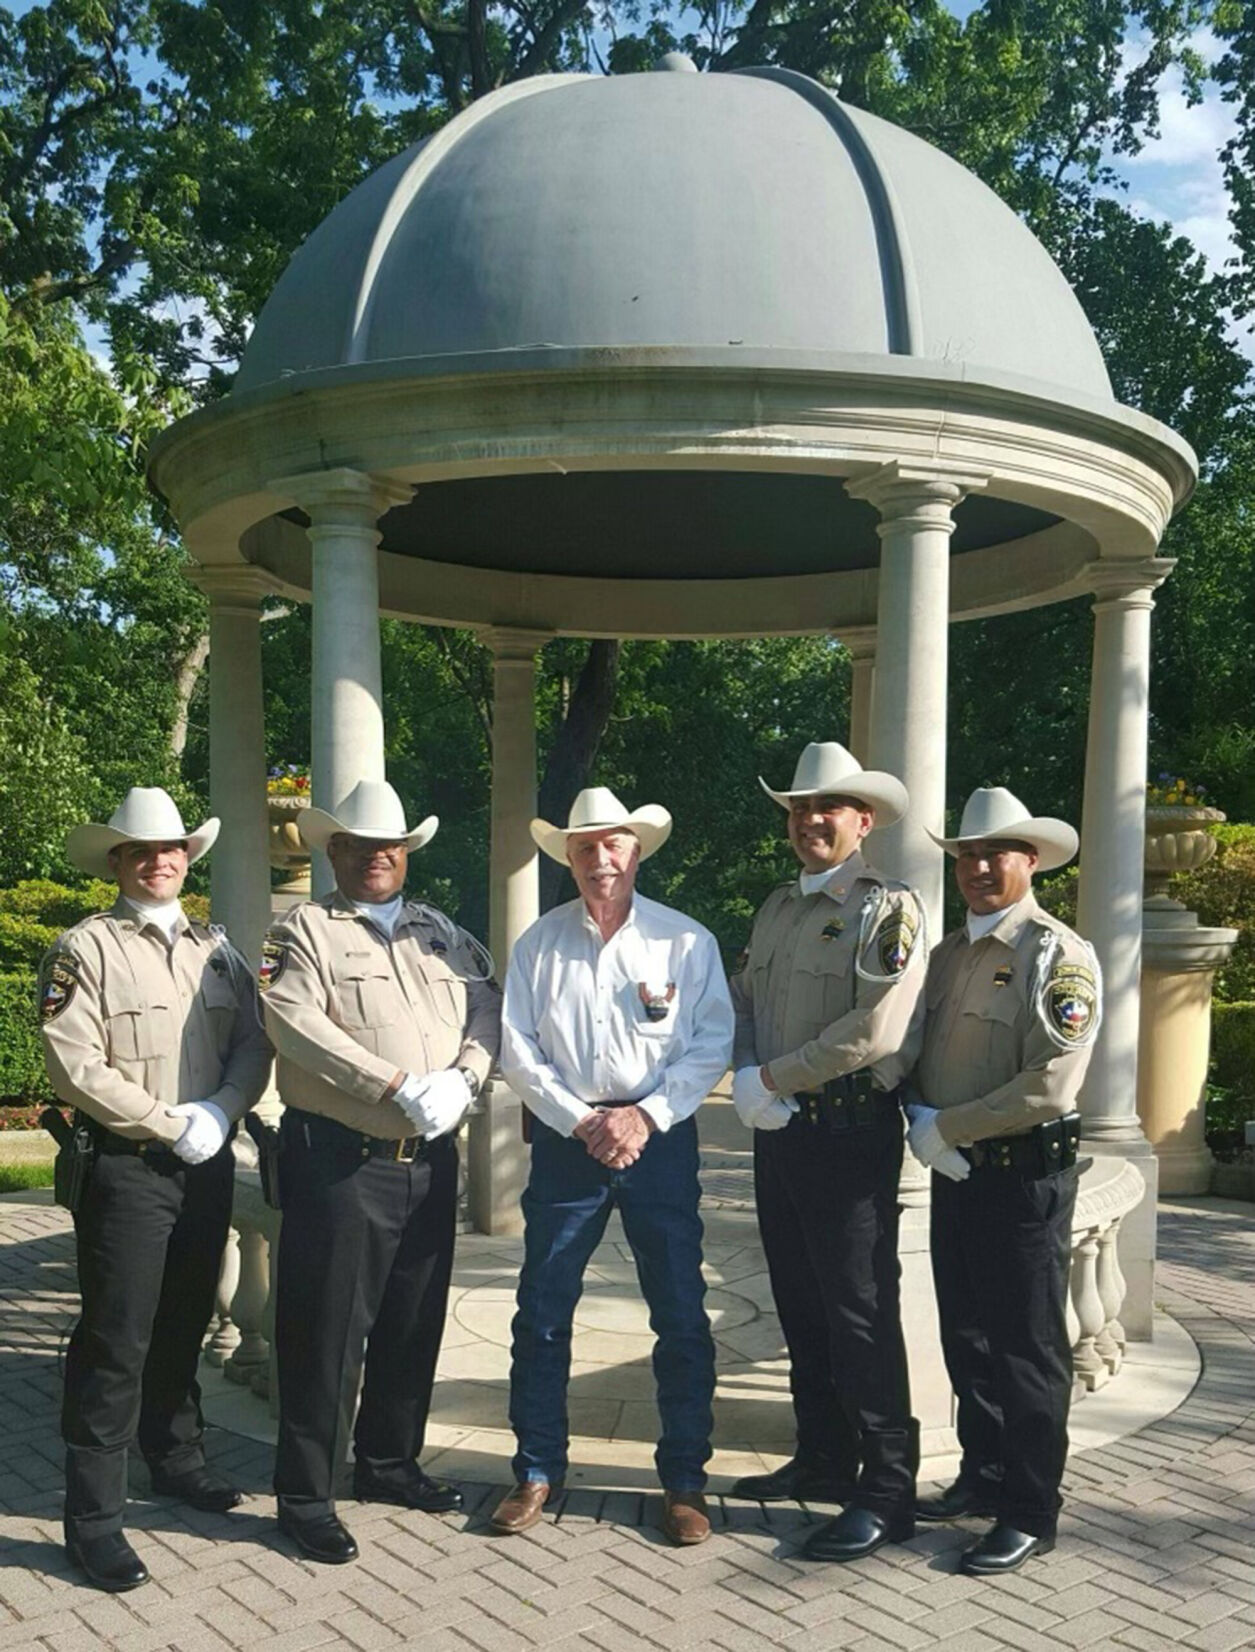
[(386, 1021), (1013, 1008), (828, 1010), (150, 1029)]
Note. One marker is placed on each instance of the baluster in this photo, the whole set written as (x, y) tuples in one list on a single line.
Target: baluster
[(248, 1308), (224, 1334), (1111, 1287), (1087, 1363)]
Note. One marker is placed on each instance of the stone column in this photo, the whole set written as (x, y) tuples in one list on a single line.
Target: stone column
[(497, 1154), (1109, 898), (239, 865), (861, 643), (346, 702), (908, 717)]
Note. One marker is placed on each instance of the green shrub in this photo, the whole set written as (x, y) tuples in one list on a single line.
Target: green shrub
[(1233, 1060), (22, 1077), (1223, 895), (34, 913)]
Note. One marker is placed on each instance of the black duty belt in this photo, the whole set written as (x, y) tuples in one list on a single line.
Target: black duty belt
[(313, 1130), (1038, 1152), (850, 1102), (106, 1142)]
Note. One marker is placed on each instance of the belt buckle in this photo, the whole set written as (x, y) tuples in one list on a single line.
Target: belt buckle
[(414, 1143)]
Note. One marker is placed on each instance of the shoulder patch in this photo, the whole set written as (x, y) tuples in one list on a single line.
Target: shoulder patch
[(274, 960), (59, 980), (1071, 1005), (895, 940)]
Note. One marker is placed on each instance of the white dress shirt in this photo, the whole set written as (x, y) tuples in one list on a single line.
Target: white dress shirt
[(574, 1025)]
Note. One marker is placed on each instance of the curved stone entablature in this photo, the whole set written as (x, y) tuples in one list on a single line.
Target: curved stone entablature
[(1060, 483)]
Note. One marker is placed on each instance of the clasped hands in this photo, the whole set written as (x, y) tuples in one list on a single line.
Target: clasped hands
[(204, 1130), (928, 1145), (614, 1136), (435, 1104), (759, 1107)]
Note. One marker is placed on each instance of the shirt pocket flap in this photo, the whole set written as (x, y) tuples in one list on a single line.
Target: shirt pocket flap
[(365, 996), (446, 990), (134, 1022), (1001, 1006)]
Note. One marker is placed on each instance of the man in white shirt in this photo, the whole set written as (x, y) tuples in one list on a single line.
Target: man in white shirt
[(617, 1023)]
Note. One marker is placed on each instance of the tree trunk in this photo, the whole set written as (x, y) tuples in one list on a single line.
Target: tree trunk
[(190, 668), (574, 751)]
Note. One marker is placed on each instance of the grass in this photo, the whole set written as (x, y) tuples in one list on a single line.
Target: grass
[(13, 1177)]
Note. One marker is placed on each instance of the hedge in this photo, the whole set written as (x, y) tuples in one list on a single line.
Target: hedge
[(1223, 895), (32, 915), (22, 1077), (1233, 1061)]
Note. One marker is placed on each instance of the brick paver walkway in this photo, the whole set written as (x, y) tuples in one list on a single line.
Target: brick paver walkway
[(1157, 1548)]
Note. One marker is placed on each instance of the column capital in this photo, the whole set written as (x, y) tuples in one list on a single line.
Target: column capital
[(510, 643), (1120, 584), (907, 487), (237, 587), (859, 641), (341, 494)]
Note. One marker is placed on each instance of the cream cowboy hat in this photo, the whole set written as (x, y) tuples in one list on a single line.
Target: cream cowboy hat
[(597, 809), (371, 810), (146, 815), (994, 812), (825, 768)]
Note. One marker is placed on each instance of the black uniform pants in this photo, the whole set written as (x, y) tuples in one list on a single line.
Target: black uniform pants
[(1001, 1244), (150, 1231), (365, 1255), (828, 1214)]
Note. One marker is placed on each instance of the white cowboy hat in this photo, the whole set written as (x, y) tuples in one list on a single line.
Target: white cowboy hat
[(597, 809), (371, 810), (993, 812), (825, 768), (146, 815)]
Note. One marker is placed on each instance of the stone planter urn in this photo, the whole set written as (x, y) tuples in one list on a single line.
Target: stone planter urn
[(1180, 957), (1178, 839), (287, 852)]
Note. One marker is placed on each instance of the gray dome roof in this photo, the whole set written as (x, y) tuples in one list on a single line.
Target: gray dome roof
[(675, 210)]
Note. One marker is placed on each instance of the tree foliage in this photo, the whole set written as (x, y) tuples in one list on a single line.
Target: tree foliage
[(160, 161)]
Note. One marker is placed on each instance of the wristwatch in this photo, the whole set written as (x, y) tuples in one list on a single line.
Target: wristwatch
[(473, 1084)]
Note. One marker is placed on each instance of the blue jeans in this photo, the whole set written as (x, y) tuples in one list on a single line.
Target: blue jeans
[(566, 1207)]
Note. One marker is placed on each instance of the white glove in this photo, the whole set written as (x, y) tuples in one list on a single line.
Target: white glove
[(929, 1147), (437, 1104), (759, 1108), (203, 1134)]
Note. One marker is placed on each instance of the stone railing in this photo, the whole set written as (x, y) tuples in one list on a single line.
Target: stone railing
[(240, 1334), (241, 1331), (1109, 1189)]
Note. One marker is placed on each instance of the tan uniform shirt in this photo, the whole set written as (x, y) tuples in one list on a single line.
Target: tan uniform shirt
[(1010, 1024), (348, 1009), (832, 984), (133, 1023)]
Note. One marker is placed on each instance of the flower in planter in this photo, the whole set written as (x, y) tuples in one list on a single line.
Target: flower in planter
[(1169, 791), (288, 780)]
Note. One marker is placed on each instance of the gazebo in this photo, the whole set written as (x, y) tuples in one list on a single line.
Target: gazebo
[(682, 355)]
